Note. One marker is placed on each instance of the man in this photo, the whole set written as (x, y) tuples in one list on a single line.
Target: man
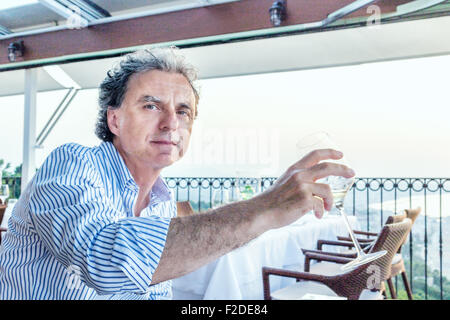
[(101, 223)]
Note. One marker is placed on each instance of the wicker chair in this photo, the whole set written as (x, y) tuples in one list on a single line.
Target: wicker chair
[(365, 243), (350, 284), (398, 265), (346, 241), (370, 235), (184, 208)]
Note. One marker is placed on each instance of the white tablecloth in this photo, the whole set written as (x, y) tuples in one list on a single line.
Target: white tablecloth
[(237, 275)]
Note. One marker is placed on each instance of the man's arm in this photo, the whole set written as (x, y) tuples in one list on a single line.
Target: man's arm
[(193, 241), (196, 240)]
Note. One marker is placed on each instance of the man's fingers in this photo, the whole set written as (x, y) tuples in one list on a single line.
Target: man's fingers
[(318, 207), (314, 157), (325, 169), (323, 191)]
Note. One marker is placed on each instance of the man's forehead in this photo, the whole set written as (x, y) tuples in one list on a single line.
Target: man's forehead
[(151, 85), (161, 78)]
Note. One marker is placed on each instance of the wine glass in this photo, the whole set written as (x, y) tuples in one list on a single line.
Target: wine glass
[(339, 188), (4, 192)]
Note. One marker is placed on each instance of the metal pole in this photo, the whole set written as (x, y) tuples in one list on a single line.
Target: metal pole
[(53, 115), (67, 104), (29, 128)]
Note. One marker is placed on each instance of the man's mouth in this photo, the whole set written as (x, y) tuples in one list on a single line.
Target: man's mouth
[(165, 142)]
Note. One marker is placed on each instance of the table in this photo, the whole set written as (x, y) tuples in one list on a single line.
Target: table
[(237, 275)]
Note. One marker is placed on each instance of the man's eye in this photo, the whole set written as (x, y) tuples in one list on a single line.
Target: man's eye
[(184, 113), (151, 107)]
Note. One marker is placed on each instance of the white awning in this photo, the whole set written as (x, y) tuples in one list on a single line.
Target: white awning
[(401, 40)]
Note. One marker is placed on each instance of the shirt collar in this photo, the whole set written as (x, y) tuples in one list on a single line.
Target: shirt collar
[(118, 166), (160, 190)]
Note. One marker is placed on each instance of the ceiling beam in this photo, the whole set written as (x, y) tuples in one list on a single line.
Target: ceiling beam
[(416, 5), (91, 8), (57, 7), (4, 30), (87, 10), (228, 18)]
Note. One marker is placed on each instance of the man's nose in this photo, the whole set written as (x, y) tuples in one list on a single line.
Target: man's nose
[(169, 121)]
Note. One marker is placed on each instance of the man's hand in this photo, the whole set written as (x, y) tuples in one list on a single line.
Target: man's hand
[(296, 192)]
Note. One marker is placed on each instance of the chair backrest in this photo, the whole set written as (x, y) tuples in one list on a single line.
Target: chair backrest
[(413, 213), (390, 220), (391, 239), (372, 275), (396, 218), (184, 208)]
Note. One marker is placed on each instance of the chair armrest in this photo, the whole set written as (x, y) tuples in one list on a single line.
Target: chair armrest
[(298, 275), (293, 274), (336, 254), (340, 243), (359, 239), (325, 257), (363, 245), (365, 233), (321, 242)]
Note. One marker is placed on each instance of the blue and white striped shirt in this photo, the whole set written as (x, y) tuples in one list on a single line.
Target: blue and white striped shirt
[(73, 234)]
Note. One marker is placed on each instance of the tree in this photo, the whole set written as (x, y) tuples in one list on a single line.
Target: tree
[(4, 168), (18, 171)]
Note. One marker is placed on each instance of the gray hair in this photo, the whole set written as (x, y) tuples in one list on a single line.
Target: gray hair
[(114, 86)]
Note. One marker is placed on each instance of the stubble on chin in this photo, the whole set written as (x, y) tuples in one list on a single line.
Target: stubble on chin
[(182, 148)]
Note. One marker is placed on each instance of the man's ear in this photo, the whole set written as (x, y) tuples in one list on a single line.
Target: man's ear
[(113, 120)]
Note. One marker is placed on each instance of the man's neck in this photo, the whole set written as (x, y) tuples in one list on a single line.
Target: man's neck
[(144, 175)]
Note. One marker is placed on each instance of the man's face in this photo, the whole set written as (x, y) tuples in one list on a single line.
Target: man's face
[(154, 123)]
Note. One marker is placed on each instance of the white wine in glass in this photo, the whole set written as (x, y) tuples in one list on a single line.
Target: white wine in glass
[(339, 187)]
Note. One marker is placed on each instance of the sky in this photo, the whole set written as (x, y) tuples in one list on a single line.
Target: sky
[(391, 119)]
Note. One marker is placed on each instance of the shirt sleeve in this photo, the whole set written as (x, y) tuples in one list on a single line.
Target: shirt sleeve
[(77, 224)]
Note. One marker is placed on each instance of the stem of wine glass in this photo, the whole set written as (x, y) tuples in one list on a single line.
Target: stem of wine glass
[(360, 252)]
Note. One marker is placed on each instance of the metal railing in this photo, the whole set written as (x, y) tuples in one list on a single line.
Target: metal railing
[(371, 200)]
